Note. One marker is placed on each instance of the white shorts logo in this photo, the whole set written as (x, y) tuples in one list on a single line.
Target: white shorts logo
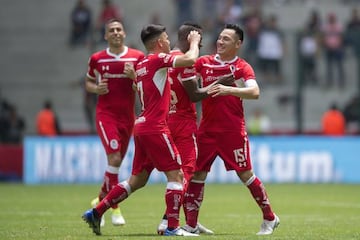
[(114, 144)]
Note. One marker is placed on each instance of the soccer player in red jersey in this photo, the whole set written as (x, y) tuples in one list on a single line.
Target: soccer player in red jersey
[(182, 115), (110, 75), (222, 130), (154, 146)]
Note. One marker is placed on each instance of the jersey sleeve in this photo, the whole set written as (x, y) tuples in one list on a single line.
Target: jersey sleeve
[(198, 64), (166, 60), (244, 71), (91, 68), (188, 73)]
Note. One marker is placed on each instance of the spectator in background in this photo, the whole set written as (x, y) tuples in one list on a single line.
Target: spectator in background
[(208, 13), (14, 126), (108, 11), (352, 113), (228, 11), (259, 123), (333, 45), (309, 48), (81, 18), (4, 115), (184, 11), (271, 48), (353, 39), (47, 123), (333, 122), (252, 26)]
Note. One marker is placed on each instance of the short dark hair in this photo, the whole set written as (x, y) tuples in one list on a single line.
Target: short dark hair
[(111, 21), (150, 32), (237, 30), (186, 28)]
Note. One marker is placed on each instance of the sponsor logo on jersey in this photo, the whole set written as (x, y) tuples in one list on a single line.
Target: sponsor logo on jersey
[(141, 71), (212, 78), (110, 75), (189, 70), (209, 71), (105, 67)]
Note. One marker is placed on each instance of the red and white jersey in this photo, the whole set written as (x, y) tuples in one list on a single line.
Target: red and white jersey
[(154, 93), (181, 107), (223, 113), (120, 100)]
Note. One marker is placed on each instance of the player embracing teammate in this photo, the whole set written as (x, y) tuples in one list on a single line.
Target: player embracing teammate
[(222, 130)]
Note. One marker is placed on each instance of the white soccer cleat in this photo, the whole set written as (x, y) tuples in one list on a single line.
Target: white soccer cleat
[(204, 230), (268, 227), (93, 203), (117, 218), (190, 229), (162, 226), (179, 232)]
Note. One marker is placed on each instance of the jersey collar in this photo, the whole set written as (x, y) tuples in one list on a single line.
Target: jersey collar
[(217, 58), (117, 55)]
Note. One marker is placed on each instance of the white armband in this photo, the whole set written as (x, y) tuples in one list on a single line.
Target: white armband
[(250, 83)]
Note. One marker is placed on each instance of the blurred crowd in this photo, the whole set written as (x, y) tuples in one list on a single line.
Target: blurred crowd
[(12, 125), (264, 46), (322, 36)]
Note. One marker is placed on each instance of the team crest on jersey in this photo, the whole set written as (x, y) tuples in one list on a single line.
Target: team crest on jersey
[(114, 144)]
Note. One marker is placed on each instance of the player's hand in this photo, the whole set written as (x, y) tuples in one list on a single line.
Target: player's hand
[(219, 90), (194, 36), (102, 87), (227, 80), (129, 70)]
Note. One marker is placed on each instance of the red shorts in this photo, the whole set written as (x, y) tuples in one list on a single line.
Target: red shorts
[(155, 151), (233, 148), (114, 136), (184, 135)]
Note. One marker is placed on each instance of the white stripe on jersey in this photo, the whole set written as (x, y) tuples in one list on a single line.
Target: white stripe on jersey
[(160, 78), (169, 145), (118, 60), (104, 133), (213, 66)]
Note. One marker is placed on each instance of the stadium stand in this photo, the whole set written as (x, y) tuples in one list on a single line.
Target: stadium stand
[(38, 64)]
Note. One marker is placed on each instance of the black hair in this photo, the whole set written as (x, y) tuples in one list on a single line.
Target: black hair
[(186, 28), (239, 32), (113, 20), (150, 32)]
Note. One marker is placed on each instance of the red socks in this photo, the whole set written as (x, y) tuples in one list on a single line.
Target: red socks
[(258, 192), (192, 202), (117, 194), (110, 180)]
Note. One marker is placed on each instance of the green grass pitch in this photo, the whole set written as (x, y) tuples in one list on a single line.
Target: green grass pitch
[(307, 211)]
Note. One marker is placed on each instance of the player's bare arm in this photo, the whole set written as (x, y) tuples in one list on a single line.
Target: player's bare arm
[(100, 89), (250, 91), (197, 94), (227, 80), (188, 59)]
